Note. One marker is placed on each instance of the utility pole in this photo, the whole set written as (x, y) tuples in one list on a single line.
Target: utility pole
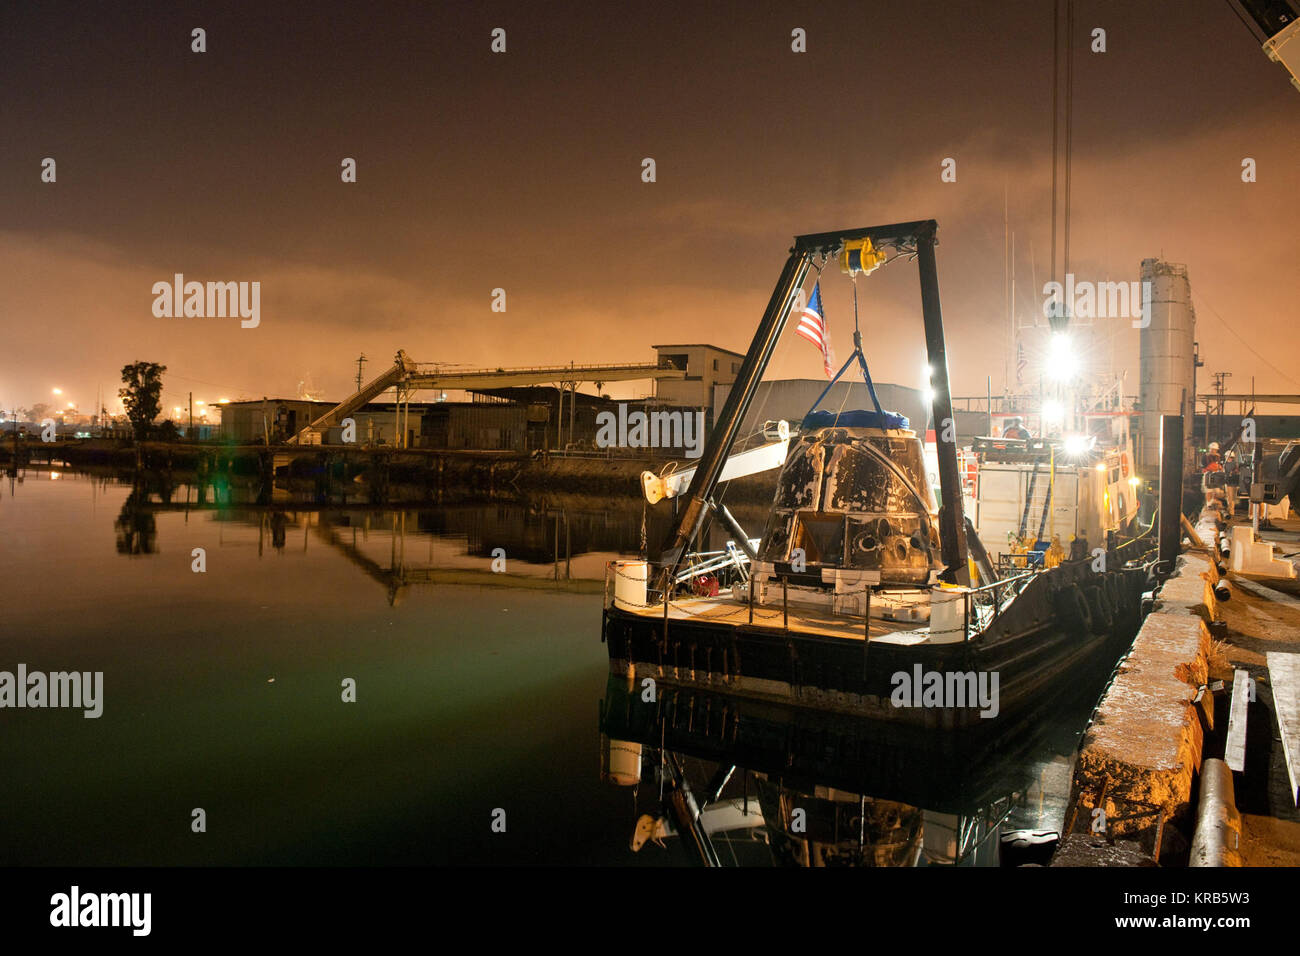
[(1220, 386), (190, 431), (361, 360)]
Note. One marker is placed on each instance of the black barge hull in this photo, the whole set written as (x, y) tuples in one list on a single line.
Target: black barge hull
[(1068, 625)]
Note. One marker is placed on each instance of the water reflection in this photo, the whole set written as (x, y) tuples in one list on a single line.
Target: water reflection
[(556, 540), (713, 774), (135, 528), (192, 700), (466, 694)]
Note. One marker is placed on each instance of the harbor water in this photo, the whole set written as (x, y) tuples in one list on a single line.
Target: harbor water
[(228, 635)]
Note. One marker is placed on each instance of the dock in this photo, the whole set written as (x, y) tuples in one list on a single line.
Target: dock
[(1207, 678)]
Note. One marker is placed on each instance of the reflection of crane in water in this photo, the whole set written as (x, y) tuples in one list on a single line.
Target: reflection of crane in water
[(395, 578), (462, 541), (399, 575)]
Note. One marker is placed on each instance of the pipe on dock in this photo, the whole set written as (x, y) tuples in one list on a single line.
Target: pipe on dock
[(1222, 591), (1217, 840), (1220, 569)]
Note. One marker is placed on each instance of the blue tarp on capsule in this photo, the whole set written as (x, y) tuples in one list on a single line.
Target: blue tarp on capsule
[(854, 418)]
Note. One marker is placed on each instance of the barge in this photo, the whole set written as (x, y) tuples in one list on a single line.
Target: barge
[(867, 594)]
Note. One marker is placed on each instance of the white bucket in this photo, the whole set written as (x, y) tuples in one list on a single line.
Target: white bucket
[(624, 763), (947, 615), (630, 585)]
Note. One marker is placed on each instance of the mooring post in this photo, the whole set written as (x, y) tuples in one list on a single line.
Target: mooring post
[(1171, 492), (866, 633), (785, 602), (667, 595)]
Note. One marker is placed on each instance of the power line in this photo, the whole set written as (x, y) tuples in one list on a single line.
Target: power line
[(1243, 341), (220, 385)]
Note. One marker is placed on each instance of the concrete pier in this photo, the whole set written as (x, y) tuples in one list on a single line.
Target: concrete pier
[(1142, 756), (1141, 753)]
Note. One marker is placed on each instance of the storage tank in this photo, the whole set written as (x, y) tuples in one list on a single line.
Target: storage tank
[(1167, 357)]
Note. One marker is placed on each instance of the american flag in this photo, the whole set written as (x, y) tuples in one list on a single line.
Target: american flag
[(1020, 363), (813, 327)]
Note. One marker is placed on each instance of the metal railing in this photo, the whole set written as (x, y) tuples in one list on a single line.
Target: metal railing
[(986, 601), (708, 562), (981, 607)]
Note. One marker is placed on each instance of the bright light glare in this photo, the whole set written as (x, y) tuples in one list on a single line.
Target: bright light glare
[(58, 391), (1134, 481), (1053, 412), (1075, 446), (1062, 363), (929, 396)]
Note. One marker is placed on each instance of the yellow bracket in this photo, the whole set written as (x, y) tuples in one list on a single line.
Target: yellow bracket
[(859, 255)]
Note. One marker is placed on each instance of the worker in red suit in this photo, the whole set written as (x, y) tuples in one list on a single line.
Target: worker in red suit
[(1015, 429)]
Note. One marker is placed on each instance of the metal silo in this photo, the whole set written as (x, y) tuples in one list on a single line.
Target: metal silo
[(1167, 356)]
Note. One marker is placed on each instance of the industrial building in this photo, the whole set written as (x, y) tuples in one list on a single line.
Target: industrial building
[(273, 420), (524, 418), (706, 368), (521, 420), (487, 423)]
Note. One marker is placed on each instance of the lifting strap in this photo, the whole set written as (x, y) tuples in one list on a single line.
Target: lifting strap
[(857, 354)]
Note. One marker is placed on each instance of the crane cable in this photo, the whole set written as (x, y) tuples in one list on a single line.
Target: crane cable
[(1056, 116), (1069, 125), (1069, 133)]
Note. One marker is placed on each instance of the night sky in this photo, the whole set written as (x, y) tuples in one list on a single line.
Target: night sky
[(523, 171)]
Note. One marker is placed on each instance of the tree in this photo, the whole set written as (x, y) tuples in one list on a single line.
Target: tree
[(142, 396), (38, 412)]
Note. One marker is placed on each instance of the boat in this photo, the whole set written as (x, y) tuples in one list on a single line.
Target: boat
[(1031, 496), (869, 592)]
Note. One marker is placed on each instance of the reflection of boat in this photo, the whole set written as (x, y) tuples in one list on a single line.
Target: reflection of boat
[(821, 826), (947, 772), (832, 789), (858, 598)]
